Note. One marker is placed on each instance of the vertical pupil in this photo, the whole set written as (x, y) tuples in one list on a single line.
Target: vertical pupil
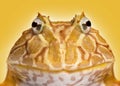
[(34, 24)]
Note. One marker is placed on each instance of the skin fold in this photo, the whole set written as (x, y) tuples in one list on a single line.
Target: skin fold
[(55, 47)]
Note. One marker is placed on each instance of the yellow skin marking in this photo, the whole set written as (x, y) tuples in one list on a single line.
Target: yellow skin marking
[(55, 47)]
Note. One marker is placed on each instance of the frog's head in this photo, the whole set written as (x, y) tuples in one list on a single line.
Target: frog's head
[(70, 45)]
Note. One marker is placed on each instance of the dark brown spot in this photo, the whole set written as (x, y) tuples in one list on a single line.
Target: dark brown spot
[(27, 60), (73, 78), (61, 79), (34, 77), (41, 75)]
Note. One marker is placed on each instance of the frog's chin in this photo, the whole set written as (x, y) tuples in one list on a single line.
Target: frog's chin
[(106, 65), (95, 74)]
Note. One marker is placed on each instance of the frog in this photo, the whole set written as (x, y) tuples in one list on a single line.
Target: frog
[(61, 53)]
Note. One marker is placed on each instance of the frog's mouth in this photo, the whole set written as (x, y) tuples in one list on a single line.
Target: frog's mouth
[(106, 65)]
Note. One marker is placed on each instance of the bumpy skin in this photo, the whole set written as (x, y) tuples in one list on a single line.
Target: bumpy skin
[(60, 54)]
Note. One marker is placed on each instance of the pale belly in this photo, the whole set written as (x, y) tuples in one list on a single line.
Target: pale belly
[(60, 84), (86, 78), (91, 77)]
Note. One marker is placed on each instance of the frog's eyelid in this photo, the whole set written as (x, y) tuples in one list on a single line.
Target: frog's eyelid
[(38, 21), (84, 20)]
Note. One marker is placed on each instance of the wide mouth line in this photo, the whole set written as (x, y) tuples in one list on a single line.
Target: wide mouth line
[(26, 67)]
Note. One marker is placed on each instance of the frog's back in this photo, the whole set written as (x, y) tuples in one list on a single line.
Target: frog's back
[(60, 46)]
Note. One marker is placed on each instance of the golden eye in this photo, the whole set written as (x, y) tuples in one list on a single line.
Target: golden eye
[(85, 25), (37, 26)]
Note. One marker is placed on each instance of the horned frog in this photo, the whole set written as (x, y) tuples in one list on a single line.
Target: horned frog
[(67, 53)]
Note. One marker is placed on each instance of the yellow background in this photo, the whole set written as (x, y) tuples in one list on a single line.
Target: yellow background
[(17, 15)]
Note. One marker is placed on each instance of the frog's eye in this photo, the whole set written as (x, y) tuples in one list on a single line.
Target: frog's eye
[(37, 26), (85, 25)]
